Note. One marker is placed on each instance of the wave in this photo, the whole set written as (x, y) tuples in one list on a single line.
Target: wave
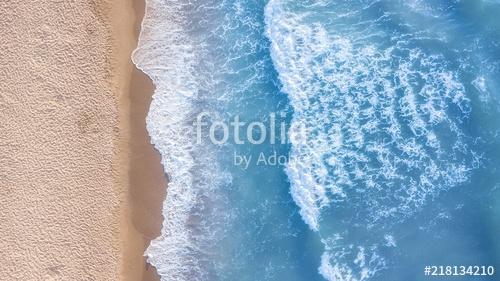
[(169, 56), (384, 120)]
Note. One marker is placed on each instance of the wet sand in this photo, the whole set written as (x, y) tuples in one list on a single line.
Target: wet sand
[(147, 182)]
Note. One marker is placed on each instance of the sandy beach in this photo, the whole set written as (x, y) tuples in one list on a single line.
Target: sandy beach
[(81, 188)]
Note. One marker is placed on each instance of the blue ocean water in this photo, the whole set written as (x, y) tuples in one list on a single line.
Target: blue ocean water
[(379, 123)]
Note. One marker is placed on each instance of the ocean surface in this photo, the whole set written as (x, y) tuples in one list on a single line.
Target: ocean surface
[(325, 140)]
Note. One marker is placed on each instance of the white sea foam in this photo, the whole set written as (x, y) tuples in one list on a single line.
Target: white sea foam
[(169, 57), (348, 262), (480, 84), (382, 134), (385, 134)]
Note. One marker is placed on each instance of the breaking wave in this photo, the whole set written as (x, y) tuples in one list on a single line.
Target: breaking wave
[(384, 120)]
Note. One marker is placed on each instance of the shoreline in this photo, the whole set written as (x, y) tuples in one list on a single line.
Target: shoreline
[(143, 174)]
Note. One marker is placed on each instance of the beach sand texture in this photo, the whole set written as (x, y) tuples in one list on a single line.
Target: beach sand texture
[(70, 198)]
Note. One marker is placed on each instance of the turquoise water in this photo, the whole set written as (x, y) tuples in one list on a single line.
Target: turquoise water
[(382, 118)]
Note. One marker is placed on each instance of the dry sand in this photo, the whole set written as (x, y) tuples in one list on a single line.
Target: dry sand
[(80, 186)]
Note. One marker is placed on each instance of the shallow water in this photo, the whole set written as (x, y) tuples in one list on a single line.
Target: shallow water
[(398, 170)]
